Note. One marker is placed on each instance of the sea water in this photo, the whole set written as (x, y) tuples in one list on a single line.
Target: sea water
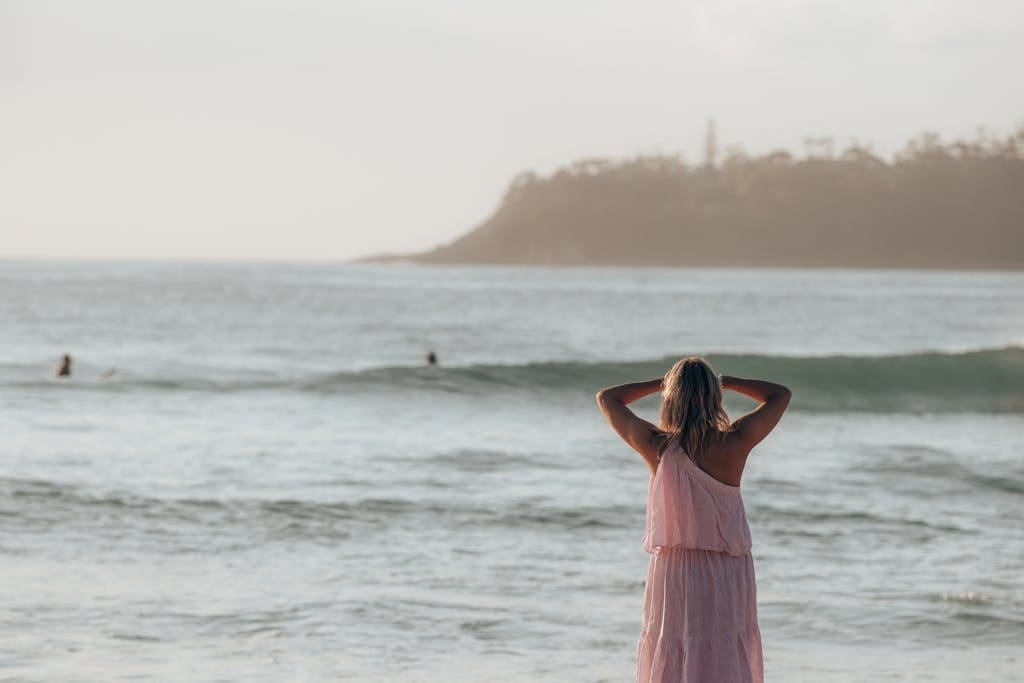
[(253, 474)]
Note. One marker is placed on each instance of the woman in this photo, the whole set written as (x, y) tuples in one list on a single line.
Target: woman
[(700, 601)]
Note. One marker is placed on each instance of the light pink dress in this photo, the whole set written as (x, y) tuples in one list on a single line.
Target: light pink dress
[(700, 603)]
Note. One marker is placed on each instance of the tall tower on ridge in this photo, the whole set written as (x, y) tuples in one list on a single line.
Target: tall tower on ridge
[(710, 147)]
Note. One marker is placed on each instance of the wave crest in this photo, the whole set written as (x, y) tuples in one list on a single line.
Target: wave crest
[(987, 380)]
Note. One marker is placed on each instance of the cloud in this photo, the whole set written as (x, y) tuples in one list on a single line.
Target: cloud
[(936, 24), (740, 29)]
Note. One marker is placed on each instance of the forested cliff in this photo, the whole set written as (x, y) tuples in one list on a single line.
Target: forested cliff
[(954, 205)]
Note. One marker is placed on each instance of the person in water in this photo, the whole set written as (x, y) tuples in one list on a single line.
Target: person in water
[(700, 601), (64, 369), (431, 358)]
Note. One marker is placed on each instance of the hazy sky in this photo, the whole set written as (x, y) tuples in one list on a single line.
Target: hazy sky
[(299, 130)]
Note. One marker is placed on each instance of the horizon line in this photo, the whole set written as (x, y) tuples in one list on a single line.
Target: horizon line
[(256, 261)]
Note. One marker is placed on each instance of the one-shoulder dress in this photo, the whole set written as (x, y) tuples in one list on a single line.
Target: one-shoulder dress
[(700, 601)]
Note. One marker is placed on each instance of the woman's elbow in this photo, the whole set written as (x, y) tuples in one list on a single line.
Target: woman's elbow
[(604, 396)]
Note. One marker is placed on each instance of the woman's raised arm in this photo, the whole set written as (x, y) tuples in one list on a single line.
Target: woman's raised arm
[(636, 431), (757, 424)]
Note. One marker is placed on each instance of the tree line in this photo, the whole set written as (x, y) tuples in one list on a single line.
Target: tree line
[(933, 204)]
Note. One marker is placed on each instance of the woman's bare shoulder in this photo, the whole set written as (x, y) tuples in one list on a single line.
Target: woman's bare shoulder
[(729, 460)]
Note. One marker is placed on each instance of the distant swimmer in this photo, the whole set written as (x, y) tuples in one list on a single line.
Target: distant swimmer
[(431, 358), (64, 369)]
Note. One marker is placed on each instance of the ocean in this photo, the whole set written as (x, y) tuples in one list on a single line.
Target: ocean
[(254, 475)]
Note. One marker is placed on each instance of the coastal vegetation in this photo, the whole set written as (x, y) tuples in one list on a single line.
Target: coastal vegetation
[(933, 204)]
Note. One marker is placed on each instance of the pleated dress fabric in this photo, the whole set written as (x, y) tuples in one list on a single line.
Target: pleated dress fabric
[(700, 601)]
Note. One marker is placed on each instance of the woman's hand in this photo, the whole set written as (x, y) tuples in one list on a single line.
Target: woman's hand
[(757, 389)]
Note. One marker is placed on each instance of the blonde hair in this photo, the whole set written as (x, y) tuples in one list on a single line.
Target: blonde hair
[(692, 414)]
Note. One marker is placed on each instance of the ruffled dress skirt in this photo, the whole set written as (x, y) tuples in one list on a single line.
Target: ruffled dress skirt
[(700, 619), (700, 602)]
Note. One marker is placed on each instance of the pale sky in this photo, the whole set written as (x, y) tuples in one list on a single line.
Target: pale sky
[(298, 130)]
